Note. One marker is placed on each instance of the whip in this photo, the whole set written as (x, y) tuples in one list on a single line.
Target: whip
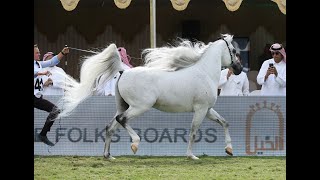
[(81, 50), (93, 52)]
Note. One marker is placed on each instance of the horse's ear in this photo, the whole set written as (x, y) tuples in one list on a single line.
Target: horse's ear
[(227, 37)]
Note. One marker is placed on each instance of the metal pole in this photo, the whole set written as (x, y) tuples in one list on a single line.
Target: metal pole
[(66, 62), (153, 23)]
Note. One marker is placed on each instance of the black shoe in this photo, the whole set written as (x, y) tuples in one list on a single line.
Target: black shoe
[(45, 140)]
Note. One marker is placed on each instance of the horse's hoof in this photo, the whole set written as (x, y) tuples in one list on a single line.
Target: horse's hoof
[(134, 148), (109, 158), (229, 151), (193, 157)]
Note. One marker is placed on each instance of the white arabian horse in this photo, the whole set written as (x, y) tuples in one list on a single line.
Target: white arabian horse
[(173, 79)]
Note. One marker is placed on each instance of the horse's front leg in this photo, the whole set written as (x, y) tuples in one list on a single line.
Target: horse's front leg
[(196, 122), (110, 129), (213, 115), (123, 119)]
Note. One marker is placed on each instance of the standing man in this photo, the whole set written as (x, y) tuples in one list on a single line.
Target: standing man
[(233, 85), (39, 102), (109, 88), (272, 74)]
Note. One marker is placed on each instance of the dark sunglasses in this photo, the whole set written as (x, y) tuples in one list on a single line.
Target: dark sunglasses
[(275, 53)]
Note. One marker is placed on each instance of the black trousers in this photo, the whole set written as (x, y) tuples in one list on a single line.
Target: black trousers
[(49, 107)]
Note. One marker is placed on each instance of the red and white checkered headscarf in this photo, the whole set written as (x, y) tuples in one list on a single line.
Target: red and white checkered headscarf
[(124, 57), (278, 47)]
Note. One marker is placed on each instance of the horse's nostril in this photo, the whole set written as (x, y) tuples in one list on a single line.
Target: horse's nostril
[(234, 51)]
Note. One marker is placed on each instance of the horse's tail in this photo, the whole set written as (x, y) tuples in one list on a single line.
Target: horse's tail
[(94, 72)]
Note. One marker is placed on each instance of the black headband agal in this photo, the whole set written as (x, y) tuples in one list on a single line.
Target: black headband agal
[(276, 49)]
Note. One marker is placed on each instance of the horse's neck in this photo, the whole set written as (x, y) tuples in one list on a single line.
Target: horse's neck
[(210, 62)]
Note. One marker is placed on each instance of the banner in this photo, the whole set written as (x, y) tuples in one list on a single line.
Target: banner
[(257, 126)]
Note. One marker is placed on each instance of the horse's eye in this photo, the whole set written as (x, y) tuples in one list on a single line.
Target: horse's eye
[(234, 51)]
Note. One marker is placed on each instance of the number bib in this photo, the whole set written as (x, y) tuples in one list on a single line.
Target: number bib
[(38, 84)]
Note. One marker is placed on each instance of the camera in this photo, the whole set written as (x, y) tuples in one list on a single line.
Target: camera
[(270, 64)]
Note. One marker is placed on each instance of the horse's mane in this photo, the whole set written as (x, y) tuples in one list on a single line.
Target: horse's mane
[(173, 58)]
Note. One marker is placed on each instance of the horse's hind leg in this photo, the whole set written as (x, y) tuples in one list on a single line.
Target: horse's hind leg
[(213, 115), (113, 125), (196, 122), (123, 119), (135, 138), (110, 129)]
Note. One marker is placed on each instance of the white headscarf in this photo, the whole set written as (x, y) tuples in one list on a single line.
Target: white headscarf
[(278, 47)]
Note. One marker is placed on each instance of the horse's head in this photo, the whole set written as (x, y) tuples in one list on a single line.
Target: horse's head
[(229, 55)]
